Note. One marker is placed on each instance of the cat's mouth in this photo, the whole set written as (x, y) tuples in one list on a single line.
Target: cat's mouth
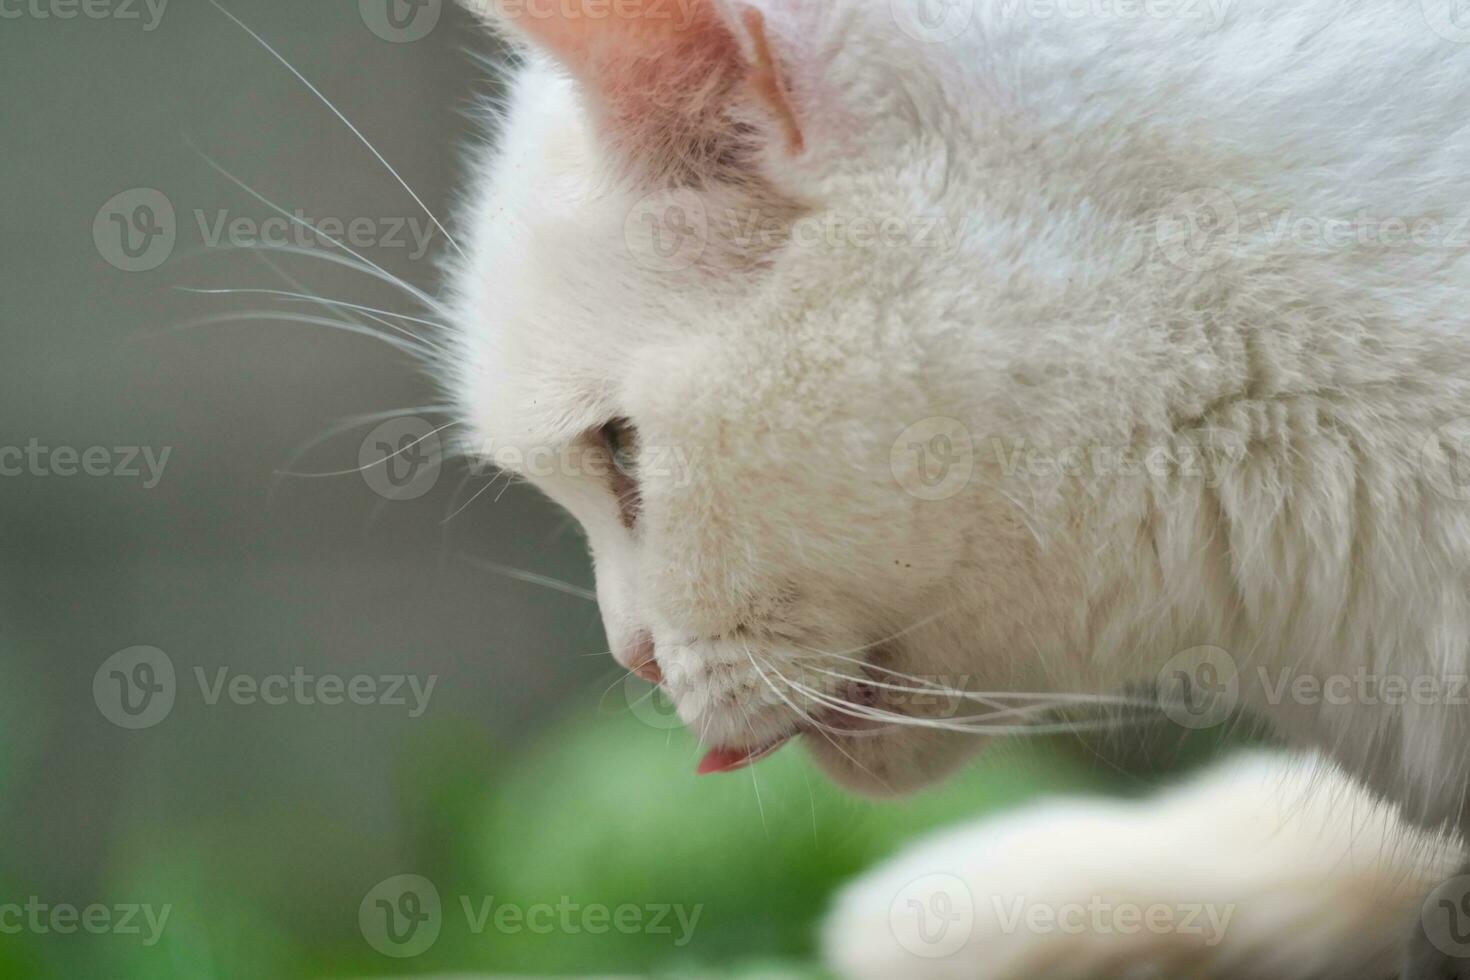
[(848, 713)]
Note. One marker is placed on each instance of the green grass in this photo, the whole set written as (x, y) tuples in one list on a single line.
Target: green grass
[(604, 812)]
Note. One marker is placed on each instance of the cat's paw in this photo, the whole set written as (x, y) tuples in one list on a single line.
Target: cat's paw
[(1266, 868), (1014, 899)]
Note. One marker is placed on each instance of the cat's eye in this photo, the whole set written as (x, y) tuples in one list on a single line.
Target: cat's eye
[(619, 438)]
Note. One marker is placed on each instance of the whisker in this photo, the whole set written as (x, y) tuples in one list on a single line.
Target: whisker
[(351, 423), (339, 305), (964, 726), (345, 121), (821, 729), (302, 222), (510, 479), (276, 316), (377, 462), (473, 497), (932, 687), (308, 298), (367, 268), (327, 305), (987, 697), (533, 578), (754, 782)]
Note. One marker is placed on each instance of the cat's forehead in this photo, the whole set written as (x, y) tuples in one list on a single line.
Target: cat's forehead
[(587, 255), (540, 296)]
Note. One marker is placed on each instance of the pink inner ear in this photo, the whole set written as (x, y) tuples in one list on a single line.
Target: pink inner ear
[(660, 72), (765, 76), (584, 32), (644, 51)]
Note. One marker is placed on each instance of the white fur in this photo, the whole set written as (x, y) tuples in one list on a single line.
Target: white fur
[(1056, 315), (1262, 869)]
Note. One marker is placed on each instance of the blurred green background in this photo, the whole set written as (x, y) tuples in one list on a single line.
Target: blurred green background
[(535, 775)]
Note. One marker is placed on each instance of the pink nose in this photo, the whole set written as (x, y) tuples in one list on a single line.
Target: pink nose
[(641, 660)]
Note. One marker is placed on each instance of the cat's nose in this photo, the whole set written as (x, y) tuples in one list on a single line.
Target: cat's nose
[(641, 660)]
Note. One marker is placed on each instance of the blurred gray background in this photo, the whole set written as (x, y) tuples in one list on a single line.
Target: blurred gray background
[(224, 563)]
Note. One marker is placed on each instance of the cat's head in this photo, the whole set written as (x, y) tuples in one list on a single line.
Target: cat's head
[(724, 241)]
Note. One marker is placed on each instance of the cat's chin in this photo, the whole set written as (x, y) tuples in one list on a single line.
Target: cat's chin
[(894, 761)]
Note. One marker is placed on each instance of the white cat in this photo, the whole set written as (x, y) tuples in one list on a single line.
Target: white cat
[(1025, 348)]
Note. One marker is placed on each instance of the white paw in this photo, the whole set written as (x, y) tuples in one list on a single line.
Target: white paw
[(1268, 867), (984, 903)]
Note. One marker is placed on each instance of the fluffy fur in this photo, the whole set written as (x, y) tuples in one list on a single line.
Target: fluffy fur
[(1265, 868), (1099, 238)]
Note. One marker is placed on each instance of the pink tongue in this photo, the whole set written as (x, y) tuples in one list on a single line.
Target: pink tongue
[(729, 760)]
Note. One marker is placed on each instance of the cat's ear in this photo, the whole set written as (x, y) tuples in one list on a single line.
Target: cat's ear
[(670, 81)]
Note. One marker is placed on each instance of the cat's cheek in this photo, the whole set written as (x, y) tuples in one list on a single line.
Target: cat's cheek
[(895, 763)]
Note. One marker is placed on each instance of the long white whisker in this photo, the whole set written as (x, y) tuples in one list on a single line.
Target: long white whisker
[(377, 462), (755, 783), (302, 222), (993, 697), (345, 121), (821, 729), (308, 298), (958, 725), (534, 578), (999, 712), (356, 421), (276, 316), (336, 305), (931, 687), (473, 497), (800, 713), (367, 268)]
